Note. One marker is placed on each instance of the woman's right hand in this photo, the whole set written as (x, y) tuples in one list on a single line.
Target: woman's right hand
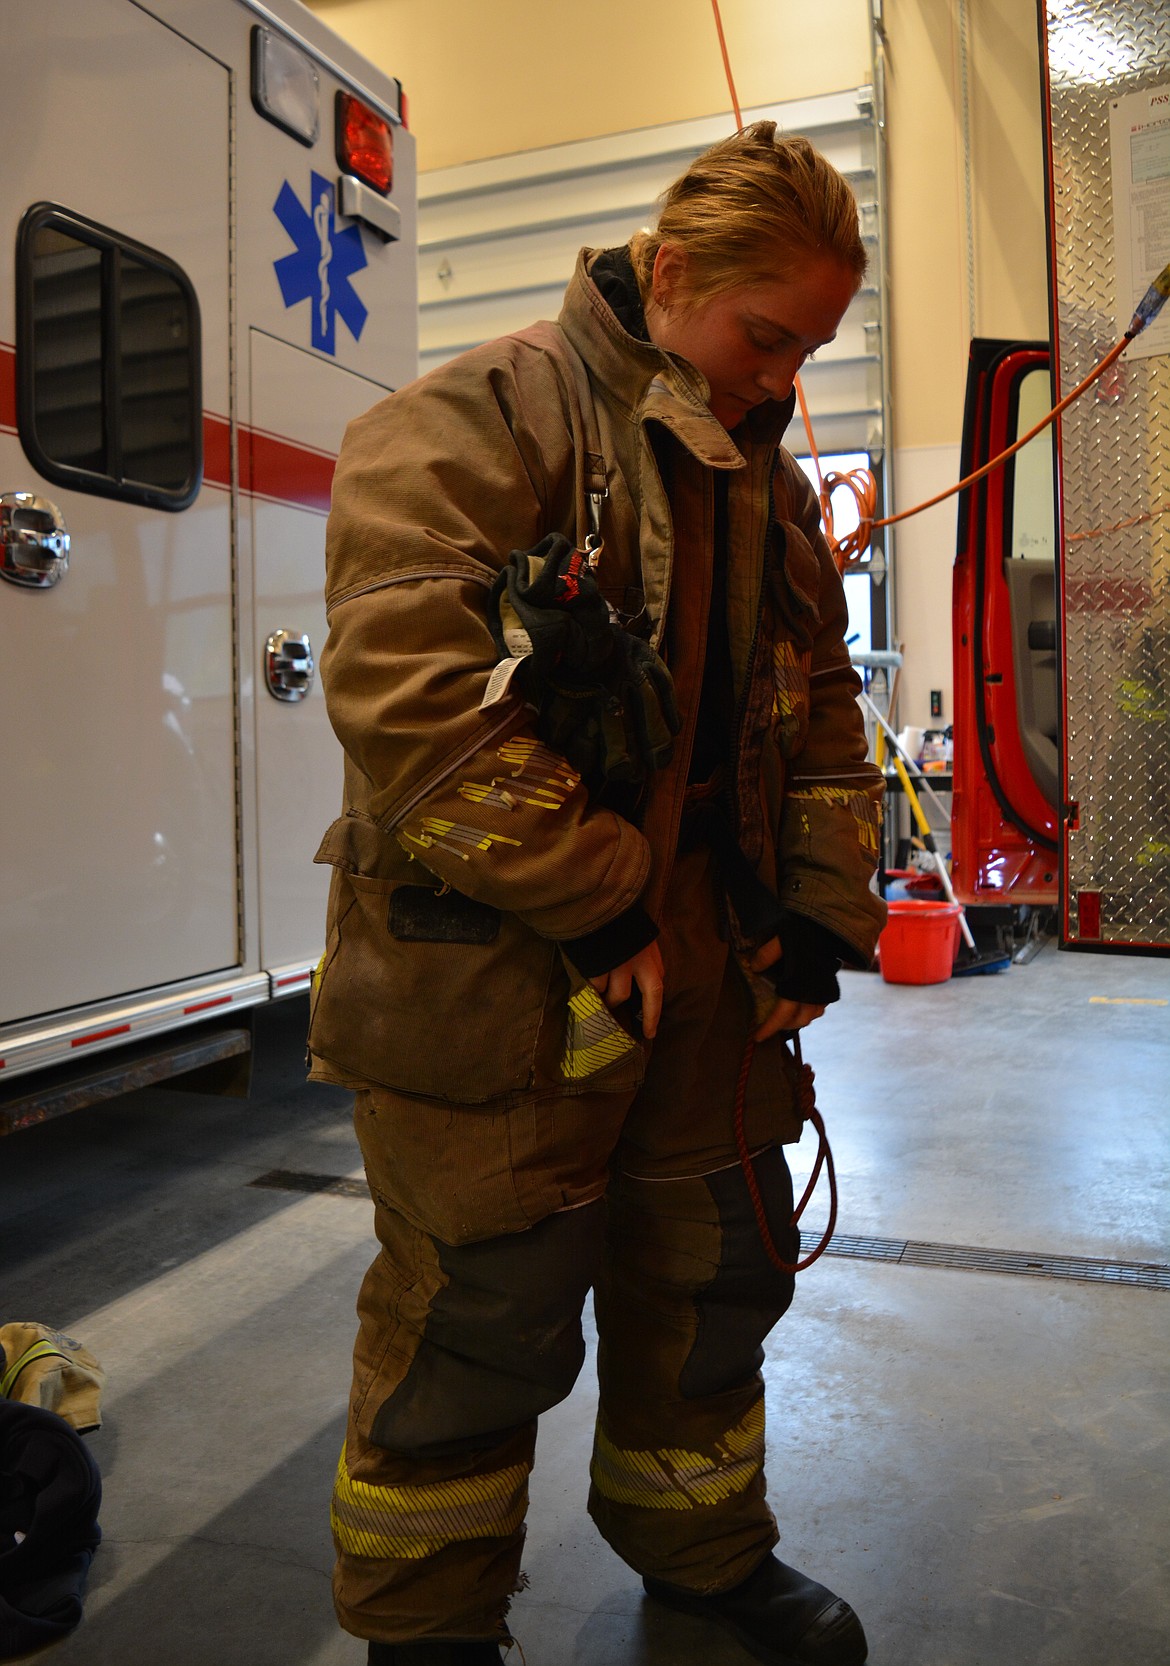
[(645, 969)]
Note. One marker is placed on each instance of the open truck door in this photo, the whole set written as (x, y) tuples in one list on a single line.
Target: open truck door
[(1006, 729)]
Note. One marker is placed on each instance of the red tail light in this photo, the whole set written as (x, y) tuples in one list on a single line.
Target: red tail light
[(365, 143)]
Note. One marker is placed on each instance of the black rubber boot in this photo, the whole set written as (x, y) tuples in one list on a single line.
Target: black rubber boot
[(436, 1652), (778, 1615)]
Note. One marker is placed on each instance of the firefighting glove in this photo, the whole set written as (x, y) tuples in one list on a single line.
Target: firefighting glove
[(617, 728), (545, 602), (604, 698)]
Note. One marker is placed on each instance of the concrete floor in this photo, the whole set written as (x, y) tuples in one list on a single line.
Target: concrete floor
[(976, 1459)]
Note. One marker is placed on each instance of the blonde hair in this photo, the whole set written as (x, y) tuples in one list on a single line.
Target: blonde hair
[(747, 211)]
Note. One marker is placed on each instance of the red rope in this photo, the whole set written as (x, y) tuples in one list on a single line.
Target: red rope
[(808, 1107)]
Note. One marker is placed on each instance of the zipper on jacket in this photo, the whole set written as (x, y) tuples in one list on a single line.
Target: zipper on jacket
[(749, 669), (391, 823)]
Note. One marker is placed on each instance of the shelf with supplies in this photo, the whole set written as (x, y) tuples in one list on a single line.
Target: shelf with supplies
[(898, 827)]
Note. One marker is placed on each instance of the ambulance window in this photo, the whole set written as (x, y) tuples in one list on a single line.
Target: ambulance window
[(108, 384), (67, 350), (155, 344)]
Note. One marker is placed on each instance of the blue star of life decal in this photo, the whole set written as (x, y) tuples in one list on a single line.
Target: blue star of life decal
[(321, 266)]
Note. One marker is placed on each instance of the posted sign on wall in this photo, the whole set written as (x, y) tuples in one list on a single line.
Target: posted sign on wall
[(1139, 145)]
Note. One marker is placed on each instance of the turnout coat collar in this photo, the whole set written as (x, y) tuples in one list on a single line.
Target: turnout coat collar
[(648, 384)]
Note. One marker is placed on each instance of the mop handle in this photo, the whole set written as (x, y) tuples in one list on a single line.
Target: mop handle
[(928, 840)]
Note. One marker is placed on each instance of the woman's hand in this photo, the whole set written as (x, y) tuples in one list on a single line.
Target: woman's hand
[(645, 970), (786, 1014)]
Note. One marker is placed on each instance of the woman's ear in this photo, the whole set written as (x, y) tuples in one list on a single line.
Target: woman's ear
[(668, 281)]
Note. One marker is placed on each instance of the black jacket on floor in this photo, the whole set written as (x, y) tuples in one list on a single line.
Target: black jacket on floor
[(50, 1493)]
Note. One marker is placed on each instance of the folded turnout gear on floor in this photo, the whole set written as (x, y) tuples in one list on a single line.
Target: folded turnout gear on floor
[(43, 1367), (50, 1494)]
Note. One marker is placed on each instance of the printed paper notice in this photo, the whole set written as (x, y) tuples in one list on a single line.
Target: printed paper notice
[(1139, 144)]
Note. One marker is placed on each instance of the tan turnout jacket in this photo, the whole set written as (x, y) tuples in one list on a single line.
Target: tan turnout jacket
[(434, 487)]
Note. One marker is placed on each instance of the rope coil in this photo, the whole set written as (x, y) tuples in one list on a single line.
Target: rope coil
[(806, 1099)]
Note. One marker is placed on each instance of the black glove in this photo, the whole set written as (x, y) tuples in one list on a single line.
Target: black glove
[(604, 698), (546, 602)]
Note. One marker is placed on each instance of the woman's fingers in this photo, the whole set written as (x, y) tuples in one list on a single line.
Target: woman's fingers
[(644, 969), (788, 1015), (650, 983)]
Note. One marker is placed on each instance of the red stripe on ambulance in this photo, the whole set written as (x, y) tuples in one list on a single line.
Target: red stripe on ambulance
[(271, 465)]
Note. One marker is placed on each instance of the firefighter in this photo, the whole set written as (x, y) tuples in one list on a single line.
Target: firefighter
[(605, 782)]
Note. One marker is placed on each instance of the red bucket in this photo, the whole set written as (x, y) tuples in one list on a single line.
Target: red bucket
[(919, 942)]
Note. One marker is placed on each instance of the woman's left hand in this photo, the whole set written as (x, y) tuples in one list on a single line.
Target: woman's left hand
[(786, 1014)]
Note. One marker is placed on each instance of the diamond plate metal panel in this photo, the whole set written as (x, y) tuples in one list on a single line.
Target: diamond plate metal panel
[(1115, 491)]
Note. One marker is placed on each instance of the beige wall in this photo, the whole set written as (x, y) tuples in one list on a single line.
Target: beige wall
[(935, 307), (931, 321), (487, 77)]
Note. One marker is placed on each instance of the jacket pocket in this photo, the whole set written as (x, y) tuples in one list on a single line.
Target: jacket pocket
[(424, 990)]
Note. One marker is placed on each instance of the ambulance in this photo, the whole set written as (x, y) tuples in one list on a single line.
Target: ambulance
[(208, 217)]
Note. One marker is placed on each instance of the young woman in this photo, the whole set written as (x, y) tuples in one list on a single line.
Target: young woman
[(550, 925)]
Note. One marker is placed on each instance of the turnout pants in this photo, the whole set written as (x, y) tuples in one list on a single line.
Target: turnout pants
[(494, 1222)]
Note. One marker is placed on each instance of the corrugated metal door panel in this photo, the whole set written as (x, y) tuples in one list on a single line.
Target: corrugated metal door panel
[(1109, 78), (498, 241), (813, 116)]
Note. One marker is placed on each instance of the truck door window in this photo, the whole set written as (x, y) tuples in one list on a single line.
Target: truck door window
[(108, 383), (1032, 517)]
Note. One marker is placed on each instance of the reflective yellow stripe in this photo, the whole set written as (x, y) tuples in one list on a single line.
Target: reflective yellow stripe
[(39, 1350), (866, 814), (790, 680), (594, 1038), (674, 1479), (413, 1522)]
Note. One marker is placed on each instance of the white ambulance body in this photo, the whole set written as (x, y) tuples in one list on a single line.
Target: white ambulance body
[(202, 286)]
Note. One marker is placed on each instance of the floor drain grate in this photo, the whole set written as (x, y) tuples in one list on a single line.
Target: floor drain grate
[(906, 1252), (1147, 1275)]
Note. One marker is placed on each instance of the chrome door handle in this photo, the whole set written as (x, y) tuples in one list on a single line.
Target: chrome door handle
[(34, 545), (288, 665)]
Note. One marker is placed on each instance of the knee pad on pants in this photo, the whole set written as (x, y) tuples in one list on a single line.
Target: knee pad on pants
[(748, 1294), (501, 1341)]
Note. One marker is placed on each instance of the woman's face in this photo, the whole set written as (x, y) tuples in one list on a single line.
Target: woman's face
[(749, 342)]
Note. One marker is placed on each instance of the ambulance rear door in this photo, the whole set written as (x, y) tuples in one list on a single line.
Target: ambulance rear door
[(300, 406), (328, 314)]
